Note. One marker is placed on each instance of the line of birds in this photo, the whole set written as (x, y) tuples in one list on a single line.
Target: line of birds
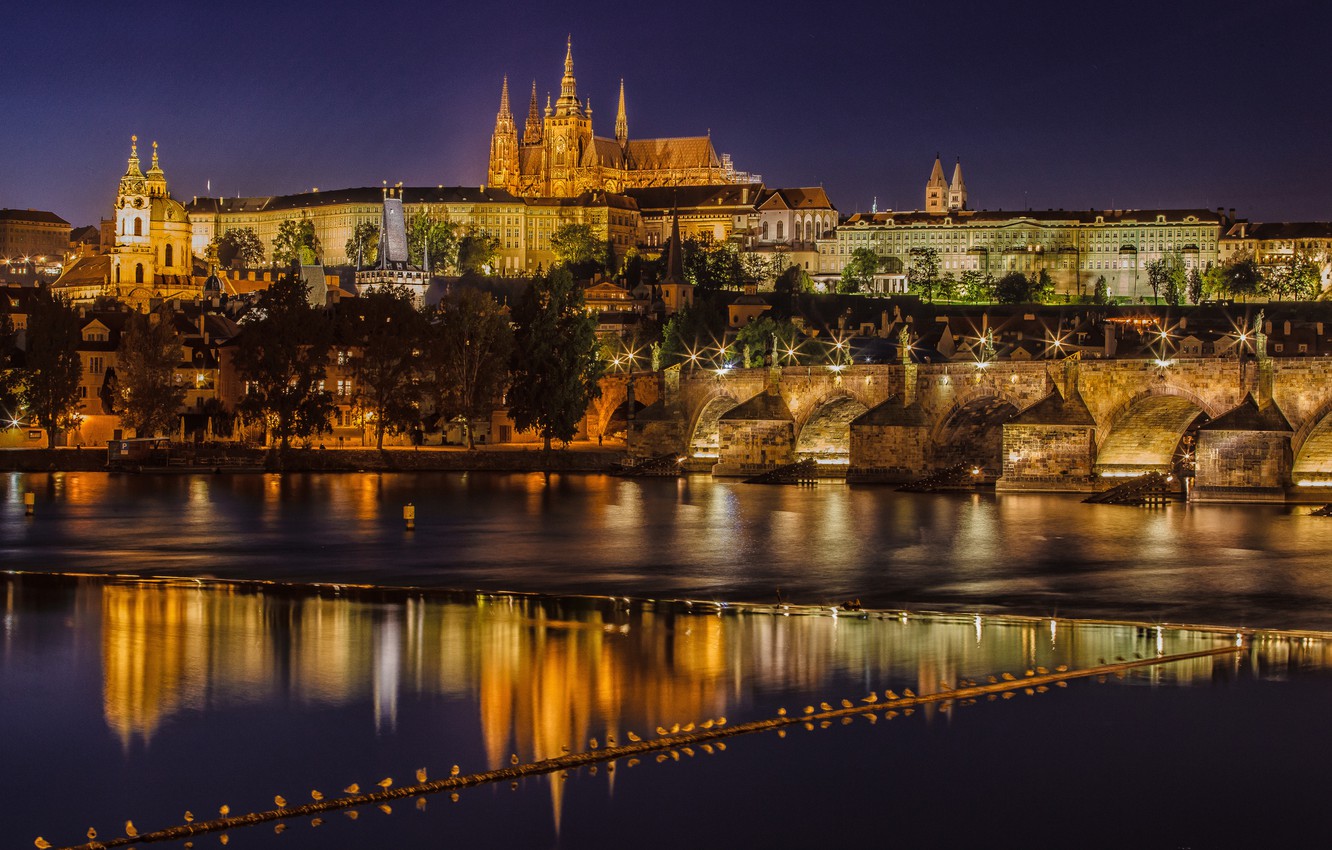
[(422, 776)]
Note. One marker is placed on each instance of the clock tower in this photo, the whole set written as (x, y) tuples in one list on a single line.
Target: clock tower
[(132, 259)]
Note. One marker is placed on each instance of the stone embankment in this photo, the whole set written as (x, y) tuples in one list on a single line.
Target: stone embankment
[(336, 460)]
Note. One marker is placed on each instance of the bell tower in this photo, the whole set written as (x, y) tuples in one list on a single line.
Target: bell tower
[(568, 133), (132, 257)]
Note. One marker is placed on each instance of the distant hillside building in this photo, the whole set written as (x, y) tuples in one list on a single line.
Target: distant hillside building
[(28, 234), (1272, 243), (558, 154)]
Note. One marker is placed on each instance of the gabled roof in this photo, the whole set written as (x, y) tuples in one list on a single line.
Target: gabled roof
[(761, 408), (695, 197), (801, 198), (1282, 230), (86, 272), (683, 152), (1054, 409), (1248, 416), (893, 412)]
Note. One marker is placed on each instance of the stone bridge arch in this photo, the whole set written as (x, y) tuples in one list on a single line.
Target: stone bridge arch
[(1311, 447), (703, 434), (825, 433), (971, 430), (1144, 433)]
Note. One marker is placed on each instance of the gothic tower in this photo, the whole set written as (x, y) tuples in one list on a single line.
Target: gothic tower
[(936, 190), (532, 129), (568, 133), (504, 146), (957, 190), (622, 121)]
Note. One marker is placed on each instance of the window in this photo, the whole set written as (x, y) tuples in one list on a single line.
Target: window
[(138, 227), (95, 365), (138, 272), (780, 227), (168, 256)]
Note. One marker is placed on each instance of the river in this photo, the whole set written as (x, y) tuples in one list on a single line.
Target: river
[(165, 647)]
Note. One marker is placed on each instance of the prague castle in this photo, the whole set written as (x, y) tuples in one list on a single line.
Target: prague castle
[(559, 156)]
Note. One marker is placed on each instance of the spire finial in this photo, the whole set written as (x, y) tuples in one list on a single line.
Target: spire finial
[(621, 119)]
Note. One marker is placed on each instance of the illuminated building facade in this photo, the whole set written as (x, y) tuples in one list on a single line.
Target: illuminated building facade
[(31, 234), (559, 156), (1075, 247), (150, 259)]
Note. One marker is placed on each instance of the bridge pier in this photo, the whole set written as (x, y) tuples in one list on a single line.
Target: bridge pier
[(1244, 455), (1050, 447), (755, 436), (889, 444)]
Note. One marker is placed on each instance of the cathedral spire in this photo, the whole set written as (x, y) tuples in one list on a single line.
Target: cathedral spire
[(532, 132), (957, 190), (568, 102), (504, 113), (132, 167), (621, 120)]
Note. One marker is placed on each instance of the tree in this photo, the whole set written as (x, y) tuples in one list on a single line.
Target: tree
[(424, 231), (468, 354), (1156, 277), (1300, 277), (576, 246), (147, 397), (388, 334), (692, 334), (947, 287), (281, 355), (555, 365), (858, 273), (1101, 294), (1194, 288), (476, 252), (1167, 277), (765, 335), (976, 287), (1242, 277), (10, 374), (295, 241), (712, 268), (363, 246), (1013, 288), (238, 248), (923, 271), (52, 367)]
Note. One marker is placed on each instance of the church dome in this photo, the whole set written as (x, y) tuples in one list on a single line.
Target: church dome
[(168, 210)]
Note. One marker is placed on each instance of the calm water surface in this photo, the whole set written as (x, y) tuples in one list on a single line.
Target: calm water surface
[(1038, 555), (125, 698)]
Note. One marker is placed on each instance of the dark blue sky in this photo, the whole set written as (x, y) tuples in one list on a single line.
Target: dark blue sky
[(1049, 104)]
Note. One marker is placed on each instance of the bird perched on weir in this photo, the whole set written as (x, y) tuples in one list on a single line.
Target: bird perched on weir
[(513, 759), (385, 783), (1008, 677), (889, 695), (280, 801), (354, 788), (420, 774), (871, 699), (130, 830), (41, 843), (224, 810), (92, 833), (781, 712), (846, 703), (633, 736), (661, 730), (707, 724), (592, 743), (316, 795), (1062, 668), (675, 728), (453, 771), (825, 706), (721, 721), (910, 694), (688, 727), (189, 817)]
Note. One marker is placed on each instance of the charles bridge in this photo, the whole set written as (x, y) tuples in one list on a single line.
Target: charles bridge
[(1251, 428)]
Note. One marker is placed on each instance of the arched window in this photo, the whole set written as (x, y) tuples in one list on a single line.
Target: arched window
[(138, 272), (168, 257), (781, 231), (138, 227), (763, 231), (117, 273)]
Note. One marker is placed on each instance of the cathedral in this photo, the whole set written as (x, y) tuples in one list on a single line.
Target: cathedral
[(558, 155)]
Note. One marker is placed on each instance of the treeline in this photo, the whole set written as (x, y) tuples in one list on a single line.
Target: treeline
[(407, 366)]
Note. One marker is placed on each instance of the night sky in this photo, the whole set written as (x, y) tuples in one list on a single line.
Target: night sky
[(1071, 104)]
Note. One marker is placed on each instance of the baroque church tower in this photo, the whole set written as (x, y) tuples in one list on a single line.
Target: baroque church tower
[(151, 256), (957, 190)]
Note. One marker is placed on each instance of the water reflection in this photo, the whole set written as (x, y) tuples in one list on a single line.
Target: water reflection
[(532, 675)]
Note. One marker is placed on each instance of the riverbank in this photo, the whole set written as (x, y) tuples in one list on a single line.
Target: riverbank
[(576, 457)]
